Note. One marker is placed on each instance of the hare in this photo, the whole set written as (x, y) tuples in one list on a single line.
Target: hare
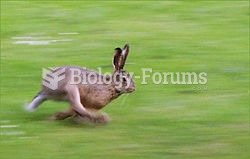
[(84, 97)]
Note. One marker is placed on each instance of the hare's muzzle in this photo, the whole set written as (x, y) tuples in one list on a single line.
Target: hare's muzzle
[(131, 89)]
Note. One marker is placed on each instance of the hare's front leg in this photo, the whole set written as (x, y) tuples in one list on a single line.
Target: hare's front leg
[(75, 102), (63, 115)]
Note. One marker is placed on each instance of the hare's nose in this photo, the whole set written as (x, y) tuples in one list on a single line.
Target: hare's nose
[(132, 89)]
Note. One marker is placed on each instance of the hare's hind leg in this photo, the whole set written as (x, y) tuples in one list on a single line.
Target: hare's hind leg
[(37, 100), (63, 115)]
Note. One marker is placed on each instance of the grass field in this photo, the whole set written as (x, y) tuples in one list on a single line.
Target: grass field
[(156, 121)]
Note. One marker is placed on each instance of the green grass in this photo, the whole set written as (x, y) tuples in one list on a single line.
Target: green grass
[(156, 121)]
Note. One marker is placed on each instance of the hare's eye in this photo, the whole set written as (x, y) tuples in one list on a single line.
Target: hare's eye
[(124, 79)]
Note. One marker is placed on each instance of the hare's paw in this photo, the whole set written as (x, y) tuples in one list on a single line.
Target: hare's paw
[(102, 118), (59, 116), (96, 118), (82, 120)]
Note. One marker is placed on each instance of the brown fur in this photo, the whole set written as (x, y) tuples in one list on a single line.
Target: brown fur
[(85, 97)]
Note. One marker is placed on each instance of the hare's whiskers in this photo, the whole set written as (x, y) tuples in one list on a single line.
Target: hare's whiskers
[(124, 99)]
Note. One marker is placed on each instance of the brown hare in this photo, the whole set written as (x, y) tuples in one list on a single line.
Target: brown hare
[(84, 97)]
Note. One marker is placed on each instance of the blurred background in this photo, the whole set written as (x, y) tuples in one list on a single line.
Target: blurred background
[(156, 121)]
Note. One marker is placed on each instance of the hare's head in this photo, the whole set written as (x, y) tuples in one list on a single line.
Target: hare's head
[(122, 80)]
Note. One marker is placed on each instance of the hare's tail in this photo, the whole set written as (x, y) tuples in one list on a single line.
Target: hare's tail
[(37, 100)]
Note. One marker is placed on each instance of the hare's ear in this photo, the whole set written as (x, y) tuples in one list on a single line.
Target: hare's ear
[(117, 58), (125, 53)]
